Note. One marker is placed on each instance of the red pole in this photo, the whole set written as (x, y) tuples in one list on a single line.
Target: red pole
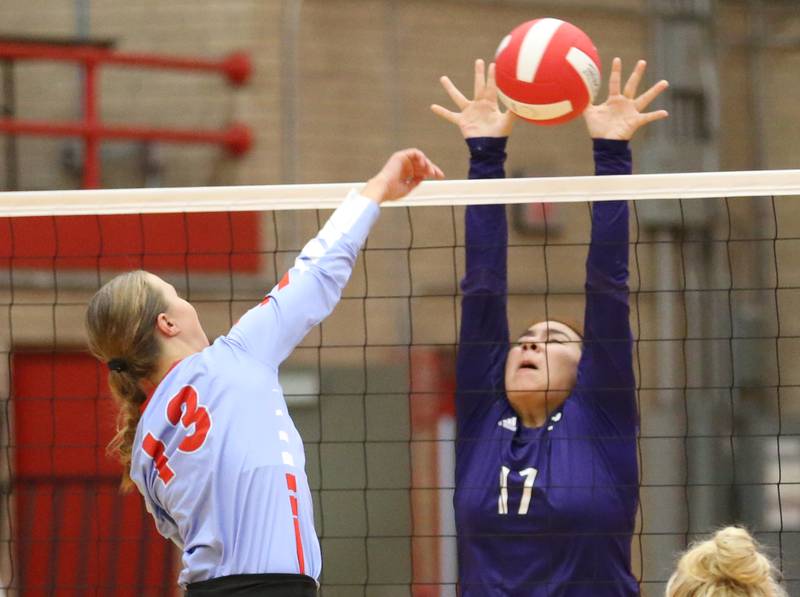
[(236, 66), (237, 138), (91, 161)]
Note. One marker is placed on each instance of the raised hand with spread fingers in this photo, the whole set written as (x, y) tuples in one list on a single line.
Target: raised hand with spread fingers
[(623, 112), (481, 116), (525, 406)]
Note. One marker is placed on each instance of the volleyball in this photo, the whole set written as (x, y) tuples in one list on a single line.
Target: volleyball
[(547, 71)]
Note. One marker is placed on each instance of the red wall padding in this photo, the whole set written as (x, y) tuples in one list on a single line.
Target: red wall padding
[(74, 533), (207, 242)]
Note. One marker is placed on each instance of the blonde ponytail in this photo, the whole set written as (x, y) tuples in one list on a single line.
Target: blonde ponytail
[(120, 322)]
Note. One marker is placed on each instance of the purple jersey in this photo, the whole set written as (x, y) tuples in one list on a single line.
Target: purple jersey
[(549, 510), (216, 456)]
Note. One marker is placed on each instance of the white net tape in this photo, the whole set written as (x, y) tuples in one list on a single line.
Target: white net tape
[(429, 194)]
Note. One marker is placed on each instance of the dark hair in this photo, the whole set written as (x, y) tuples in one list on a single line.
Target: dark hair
[(120, 323), (570, 323)]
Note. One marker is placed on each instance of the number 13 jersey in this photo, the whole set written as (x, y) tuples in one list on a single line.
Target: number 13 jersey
[(216, 455)]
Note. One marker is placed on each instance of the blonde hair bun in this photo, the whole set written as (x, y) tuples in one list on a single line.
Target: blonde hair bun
[(729, 564), (738, 558)]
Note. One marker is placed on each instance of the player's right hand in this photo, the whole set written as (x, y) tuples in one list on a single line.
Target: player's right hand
[(401, 174), (481, 116)]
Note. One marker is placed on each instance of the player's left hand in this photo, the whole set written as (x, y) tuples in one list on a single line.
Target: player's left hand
[(401, 174), (623, 113)]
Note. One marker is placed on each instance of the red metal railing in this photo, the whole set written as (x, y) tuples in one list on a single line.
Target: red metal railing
[(237, 138)]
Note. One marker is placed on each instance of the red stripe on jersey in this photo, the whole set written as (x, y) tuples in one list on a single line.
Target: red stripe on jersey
[(264, 302), (291, 482), (299, 543), (284, 281)]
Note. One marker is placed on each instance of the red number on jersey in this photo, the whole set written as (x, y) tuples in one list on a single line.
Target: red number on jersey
[(192, 415), (154, 448), (182, 408)]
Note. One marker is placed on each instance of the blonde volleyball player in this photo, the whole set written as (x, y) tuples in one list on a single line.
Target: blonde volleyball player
[(729, 564), (204, 431), (546, 470)]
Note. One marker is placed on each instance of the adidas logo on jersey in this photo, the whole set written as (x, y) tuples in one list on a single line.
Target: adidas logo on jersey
[(510, 423), (555, 418)]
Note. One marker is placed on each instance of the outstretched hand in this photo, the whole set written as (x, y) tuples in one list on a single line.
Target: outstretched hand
[(401, 174), (481, 116), (622, 114)]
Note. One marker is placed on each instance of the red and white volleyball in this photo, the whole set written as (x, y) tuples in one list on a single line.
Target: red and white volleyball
[(547, 71)]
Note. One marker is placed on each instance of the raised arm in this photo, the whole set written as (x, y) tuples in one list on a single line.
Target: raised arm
[(484, 339), (606, 369), (605, 374), (311, 288)]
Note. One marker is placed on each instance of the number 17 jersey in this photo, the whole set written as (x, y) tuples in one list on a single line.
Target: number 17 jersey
[(546, 511)]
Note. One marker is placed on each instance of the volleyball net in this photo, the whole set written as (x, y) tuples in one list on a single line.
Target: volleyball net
[(715, 281)]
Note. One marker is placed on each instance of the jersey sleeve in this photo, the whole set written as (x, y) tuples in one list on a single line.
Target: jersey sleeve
[(605, 373), (311, 288), (483, 340)]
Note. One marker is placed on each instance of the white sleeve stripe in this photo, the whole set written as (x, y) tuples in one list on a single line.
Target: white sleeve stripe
[(341, 221), (345, 217), (329, 233), (313, 250)]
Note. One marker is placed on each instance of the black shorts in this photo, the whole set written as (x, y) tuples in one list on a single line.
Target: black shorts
[(255, 585)]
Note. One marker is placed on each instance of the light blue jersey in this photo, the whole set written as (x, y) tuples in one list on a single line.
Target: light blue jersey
[(216, 456)]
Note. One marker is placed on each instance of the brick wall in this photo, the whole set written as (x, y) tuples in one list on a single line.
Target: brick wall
[(364, 75), (366, 72)]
